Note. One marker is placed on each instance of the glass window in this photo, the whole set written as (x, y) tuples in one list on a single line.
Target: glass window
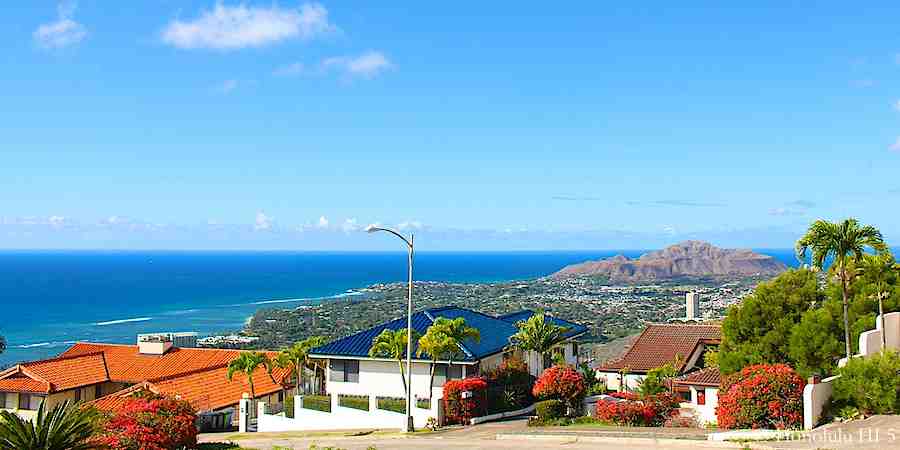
[(344, 370), (98, 392), (12, 401), (34, 401), (78, 395), (444, 372), (701, 397), (351, 371), (336, 370)]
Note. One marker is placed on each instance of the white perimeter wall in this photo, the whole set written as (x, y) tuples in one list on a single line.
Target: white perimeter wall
[(382, 378)]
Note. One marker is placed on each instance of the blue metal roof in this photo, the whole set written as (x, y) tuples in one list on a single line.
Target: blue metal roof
[(495, 332)]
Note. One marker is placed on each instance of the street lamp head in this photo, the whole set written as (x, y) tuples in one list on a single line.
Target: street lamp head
[(371, 229)]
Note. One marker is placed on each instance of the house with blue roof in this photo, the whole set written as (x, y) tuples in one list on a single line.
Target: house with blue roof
[(351, 371)]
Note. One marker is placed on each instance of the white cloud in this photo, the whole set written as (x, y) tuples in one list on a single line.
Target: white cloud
[(64, 32), (368, 65), (292, 69), (895, 146), (410, 225), (323, 222), (240, 26), (350, 225), (263, 222), (896, 105)]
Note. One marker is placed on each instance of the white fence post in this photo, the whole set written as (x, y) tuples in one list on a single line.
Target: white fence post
[(334, 402), (260, 409), (244, 413), (373, 403), (298, 405)]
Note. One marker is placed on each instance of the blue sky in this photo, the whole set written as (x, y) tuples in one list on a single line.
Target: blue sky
[(196, 124)]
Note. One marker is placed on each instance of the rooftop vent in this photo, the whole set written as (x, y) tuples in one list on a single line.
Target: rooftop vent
[(160, 343)]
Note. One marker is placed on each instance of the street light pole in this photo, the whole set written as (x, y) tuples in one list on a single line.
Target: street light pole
[(409, 330)]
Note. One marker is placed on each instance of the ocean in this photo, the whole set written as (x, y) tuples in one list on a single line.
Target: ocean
[(51, 299)]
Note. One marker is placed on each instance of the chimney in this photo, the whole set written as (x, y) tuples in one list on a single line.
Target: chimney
[(692, 305), (154, 344)]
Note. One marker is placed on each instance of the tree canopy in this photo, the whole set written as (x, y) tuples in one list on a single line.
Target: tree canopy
[(758, 330)]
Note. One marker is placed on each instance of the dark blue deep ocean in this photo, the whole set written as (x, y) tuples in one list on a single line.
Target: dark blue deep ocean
[(49, 299)]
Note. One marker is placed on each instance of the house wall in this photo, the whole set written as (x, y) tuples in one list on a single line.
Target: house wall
[(491, 362), (613, 380), (87, 394), (382, 378), (706, 413)]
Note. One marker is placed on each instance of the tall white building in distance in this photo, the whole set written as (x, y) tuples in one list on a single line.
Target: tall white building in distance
[(692, 305)]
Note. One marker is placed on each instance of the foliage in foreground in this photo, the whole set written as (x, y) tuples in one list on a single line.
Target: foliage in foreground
[(65, 427), (869, 385), (761, 396), (561, 383), (648, 411), (459, 409), (150, 422)]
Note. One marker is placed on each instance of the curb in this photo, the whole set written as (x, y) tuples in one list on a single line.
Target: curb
[(572, 438)]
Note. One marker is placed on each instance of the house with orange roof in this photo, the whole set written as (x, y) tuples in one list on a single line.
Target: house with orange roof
[(682, 345), (102, 373)]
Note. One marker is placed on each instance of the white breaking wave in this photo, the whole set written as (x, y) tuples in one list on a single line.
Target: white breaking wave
[(349, 293), (45, 344), (114, 322)]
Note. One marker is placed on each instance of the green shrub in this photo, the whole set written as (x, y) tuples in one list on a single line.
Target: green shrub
[(317, 402), (355, 402), (869, 384), (289, 406), (392, 404), (423, 403), (550, 409)]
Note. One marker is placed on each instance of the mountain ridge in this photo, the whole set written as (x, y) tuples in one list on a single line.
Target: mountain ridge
[(684, 259)]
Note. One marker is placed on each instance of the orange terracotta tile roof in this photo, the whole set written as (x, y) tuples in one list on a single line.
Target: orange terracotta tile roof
[(660, 344), (116, 400), (55, 374), (210, 389), (192, 374), (126, 364), (21, 383), (709, 376)]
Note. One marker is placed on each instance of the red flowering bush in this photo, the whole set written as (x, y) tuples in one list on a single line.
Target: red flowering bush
[(459, 409), (652, 410), (560, 383), (150, 423), (624, 395), (762, 396)]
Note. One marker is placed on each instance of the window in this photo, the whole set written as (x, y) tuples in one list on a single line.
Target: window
[(78, 395), (701, 397), (444, 372), (98, 392), (30, 402), (344, 370), (11, 401)]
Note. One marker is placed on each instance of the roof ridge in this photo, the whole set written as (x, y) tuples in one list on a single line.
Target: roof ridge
[(187, 373), (62, 358)]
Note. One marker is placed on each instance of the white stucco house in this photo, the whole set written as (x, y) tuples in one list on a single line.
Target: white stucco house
[(703, 386), (351, 371)]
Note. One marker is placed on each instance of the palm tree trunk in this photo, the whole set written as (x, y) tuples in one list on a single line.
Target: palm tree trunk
[(881, 318), (846, 312), (431, 380), (299, 366), (402, 375)]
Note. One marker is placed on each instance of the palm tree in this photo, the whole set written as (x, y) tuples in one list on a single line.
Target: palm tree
[(65, 427), (247, 363), (537, 334), (296, 357), (845, 242), (879, 269), (444, 339), (457, 331), (392, 344)]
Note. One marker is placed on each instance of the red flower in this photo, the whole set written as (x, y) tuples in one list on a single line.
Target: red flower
[(762, 396), (150, 423), (560, 383)]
